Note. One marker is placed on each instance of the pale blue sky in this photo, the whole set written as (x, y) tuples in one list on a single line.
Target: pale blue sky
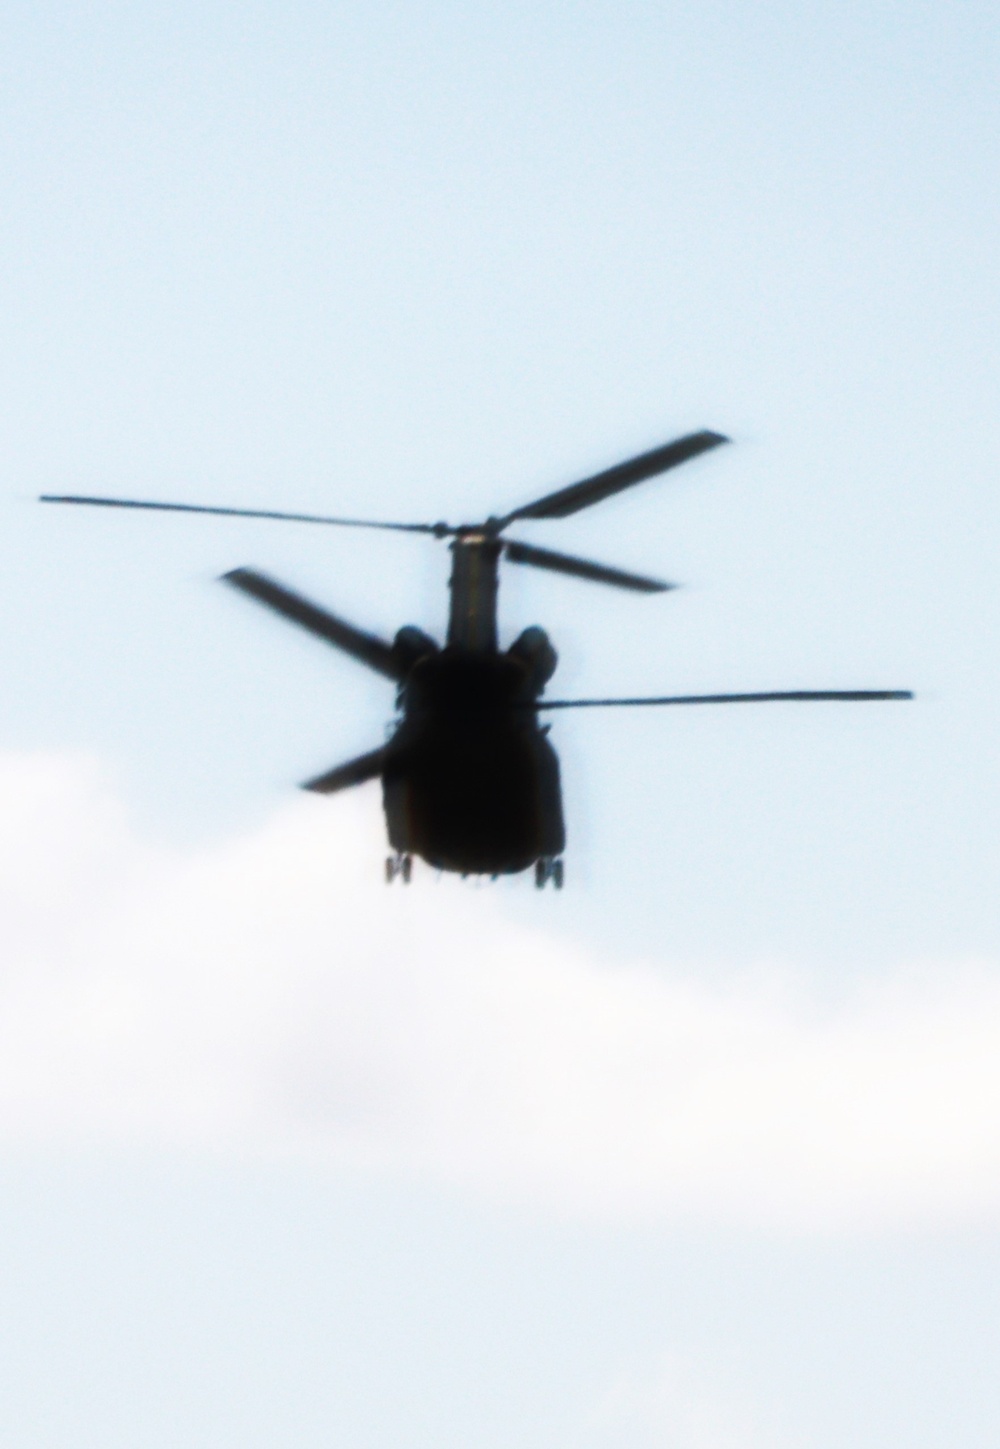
[(424, 261)]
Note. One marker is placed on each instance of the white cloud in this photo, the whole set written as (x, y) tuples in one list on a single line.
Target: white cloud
[(270, 995), (666, 1404)]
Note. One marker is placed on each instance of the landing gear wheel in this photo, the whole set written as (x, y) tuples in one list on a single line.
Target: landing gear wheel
[(547, 869), (398, 865)]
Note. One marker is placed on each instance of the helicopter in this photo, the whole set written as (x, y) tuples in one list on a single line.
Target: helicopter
[(470, 779)]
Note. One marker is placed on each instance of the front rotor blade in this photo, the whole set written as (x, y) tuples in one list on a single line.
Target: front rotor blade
[(850, 695), (368, 648), (581, 568), (355, 772), (602, 485), (440, 530)]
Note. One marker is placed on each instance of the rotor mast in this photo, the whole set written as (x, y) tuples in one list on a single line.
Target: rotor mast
[(474, 584)]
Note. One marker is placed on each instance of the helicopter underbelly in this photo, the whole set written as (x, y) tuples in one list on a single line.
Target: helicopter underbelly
[(480, 801)]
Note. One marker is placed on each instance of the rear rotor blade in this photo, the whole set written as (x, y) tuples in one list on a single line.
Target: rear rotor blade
[(355, 772), (368, 648), (602, 485), (855, 696), (440, 530), (581, 568)]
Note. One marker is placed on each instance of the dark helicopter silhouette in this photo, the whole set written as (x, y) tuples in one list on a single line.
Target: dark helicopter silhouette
[(470, 781)]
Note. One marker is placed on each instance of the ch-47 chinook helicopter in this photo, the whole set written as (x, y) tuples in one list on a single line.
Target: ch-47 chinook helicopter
[(470, 781)]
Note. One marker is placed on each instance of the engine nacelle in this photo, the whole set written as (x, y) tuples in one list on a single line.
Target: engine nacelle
[(534, 648), (411, 644)]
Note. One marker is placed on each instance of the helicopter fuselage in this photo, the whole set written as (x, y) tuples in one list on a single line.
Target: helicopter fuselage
[(471, 782)]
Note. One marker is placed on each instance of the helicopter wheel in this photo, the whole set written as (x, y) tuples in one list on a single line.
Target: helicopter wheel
[(547, 869), (398, 865)]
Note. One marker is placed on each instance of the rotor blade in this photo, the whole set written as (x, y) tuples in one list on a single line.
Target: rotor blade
[(355, 772), (369, 649), (850, 695), (440, 530), (602, 485), (581, 568)]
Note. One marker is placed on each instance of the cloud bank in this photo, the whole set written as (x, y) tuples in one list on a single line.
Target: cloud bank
[(269, 996)]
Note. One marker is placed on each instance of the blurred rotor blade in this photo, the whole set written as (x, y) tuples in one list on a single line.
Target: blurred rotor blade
[(355, 772), (602, 485), (369, 649), (849, 695), (581, 568), (440, 530)]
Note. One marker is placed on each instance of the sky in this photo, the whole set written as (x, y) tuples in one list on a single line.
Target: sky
[(704, 1151)]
